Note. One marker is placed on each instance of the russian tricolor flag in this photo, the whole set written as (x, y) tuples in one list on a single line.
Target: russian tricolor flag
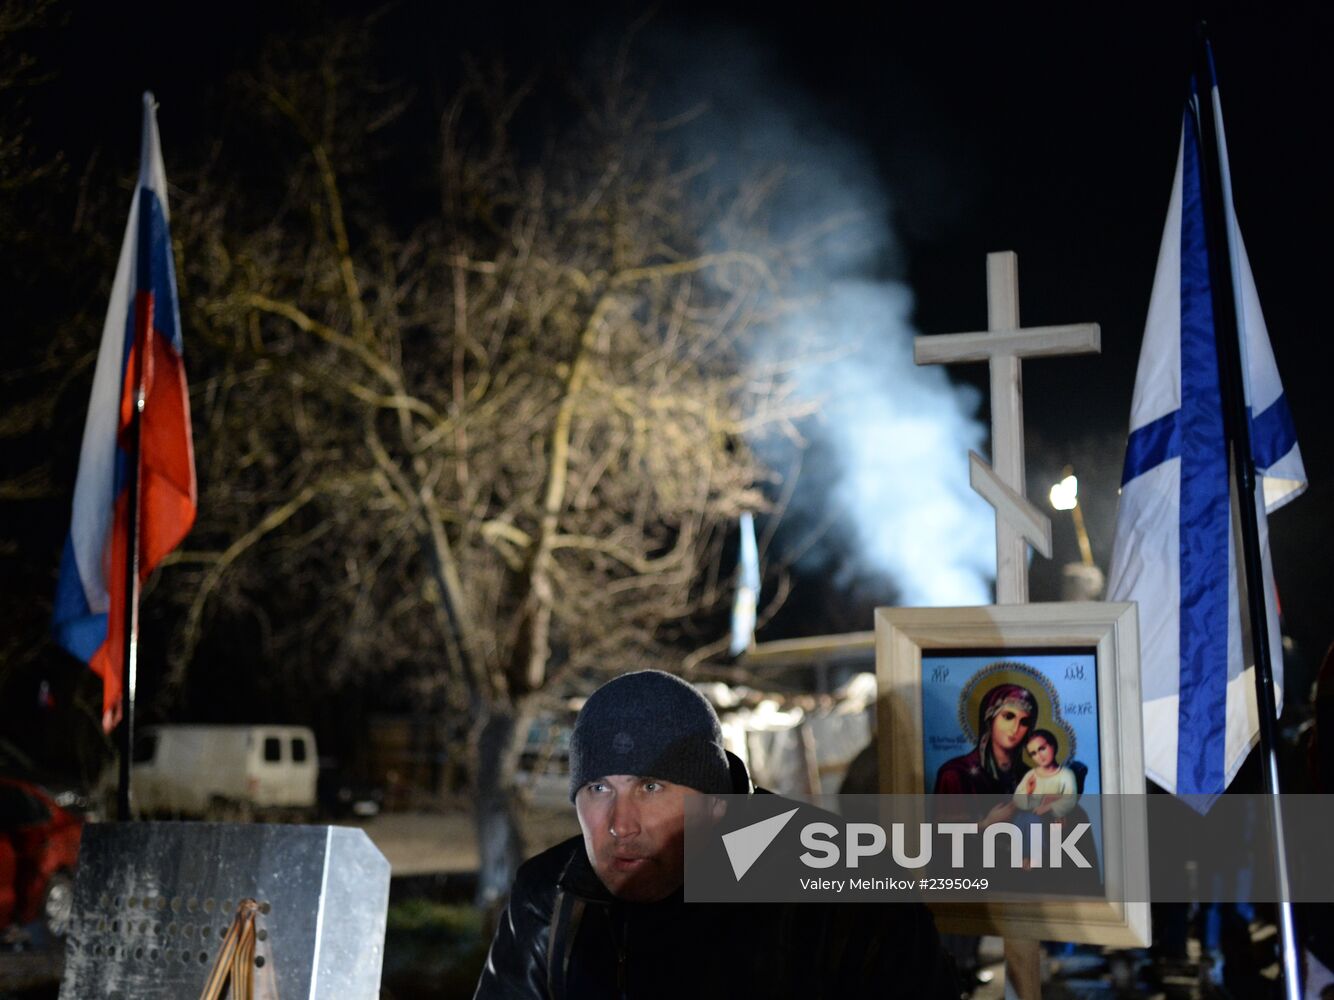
[(140, 357), (1177, 542)]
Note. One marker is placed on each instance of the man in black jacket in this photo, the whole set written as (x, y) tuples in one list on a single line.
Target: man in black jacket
[(603, 915)]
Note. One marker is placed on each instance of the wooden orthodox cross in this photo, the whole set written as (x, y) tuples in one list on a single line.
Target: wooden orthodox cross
[(1003, 344), (1018, 523)]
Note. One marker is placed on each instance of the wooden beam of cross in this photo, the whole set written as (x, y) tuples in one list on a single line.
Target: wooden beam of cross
[(1003, 345)]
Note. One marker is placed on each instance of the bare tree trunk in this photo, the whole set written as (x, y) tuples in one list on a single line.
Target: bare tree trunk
[(497, 742)]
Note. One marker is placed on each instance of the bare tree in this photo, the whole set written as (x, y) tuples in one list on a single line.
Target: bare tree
[(20, 167), (50, 273), (502, 445)]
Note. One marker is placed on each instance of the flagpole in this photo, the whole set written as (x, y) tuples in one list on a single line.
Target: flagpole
[(142, 332), (129, 674), (130, 648), (1237, 429)]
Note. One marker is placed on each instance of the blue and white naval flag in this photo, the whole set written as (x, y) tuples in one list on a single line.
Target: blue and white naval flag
[(746, 601), (1177, 534)]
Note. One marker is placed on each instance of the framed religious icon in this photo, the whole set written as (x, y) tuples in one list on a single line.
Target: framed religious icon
[(1028, 714)]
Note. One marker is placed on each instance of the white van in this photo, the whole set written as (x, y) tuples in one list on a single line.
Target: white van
[(224, 772)]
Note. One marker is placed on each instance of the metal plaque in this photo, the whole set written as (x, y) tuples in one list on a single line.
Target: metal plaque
[(153, 902)]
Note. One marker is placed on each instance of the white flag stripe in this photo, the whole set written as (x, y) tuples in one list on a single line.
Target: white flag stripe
[(95, 484), (1158, 386), (1284, 475)]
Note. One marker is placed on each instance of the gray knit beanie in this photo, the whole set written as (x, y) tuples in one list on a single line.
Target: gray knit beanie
[(652, 724)]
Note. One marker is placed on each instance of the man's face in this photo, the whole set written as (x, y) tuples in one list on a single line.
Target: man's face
[(634, 833), (1010, 727)]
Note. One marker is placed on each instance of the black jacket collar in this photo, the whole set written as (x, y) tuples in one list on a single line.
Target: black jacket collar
[(579, 878)]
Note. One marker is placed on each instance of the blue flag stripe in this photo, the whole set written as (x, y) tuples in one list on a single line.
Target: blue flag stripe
[(1273, 433), (162, 272), (156, 274), (1152, 445), (77, 629), (1204, 510)]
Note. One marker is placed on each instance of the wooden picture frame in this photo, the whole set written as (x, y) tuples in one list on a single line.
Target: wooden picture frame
[(996, 644)]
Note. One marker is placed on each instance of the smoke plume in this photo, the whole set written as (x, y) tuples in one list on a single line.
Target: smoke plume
[(888, 469)]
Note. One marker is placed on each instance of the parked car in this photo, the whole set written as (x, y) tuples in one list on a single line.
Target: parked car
[(39, 846), (225, 772), (343, 796)]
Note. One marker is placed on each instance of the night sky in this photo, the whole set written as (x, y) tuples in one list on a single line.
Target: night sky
[(1046, 129)]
